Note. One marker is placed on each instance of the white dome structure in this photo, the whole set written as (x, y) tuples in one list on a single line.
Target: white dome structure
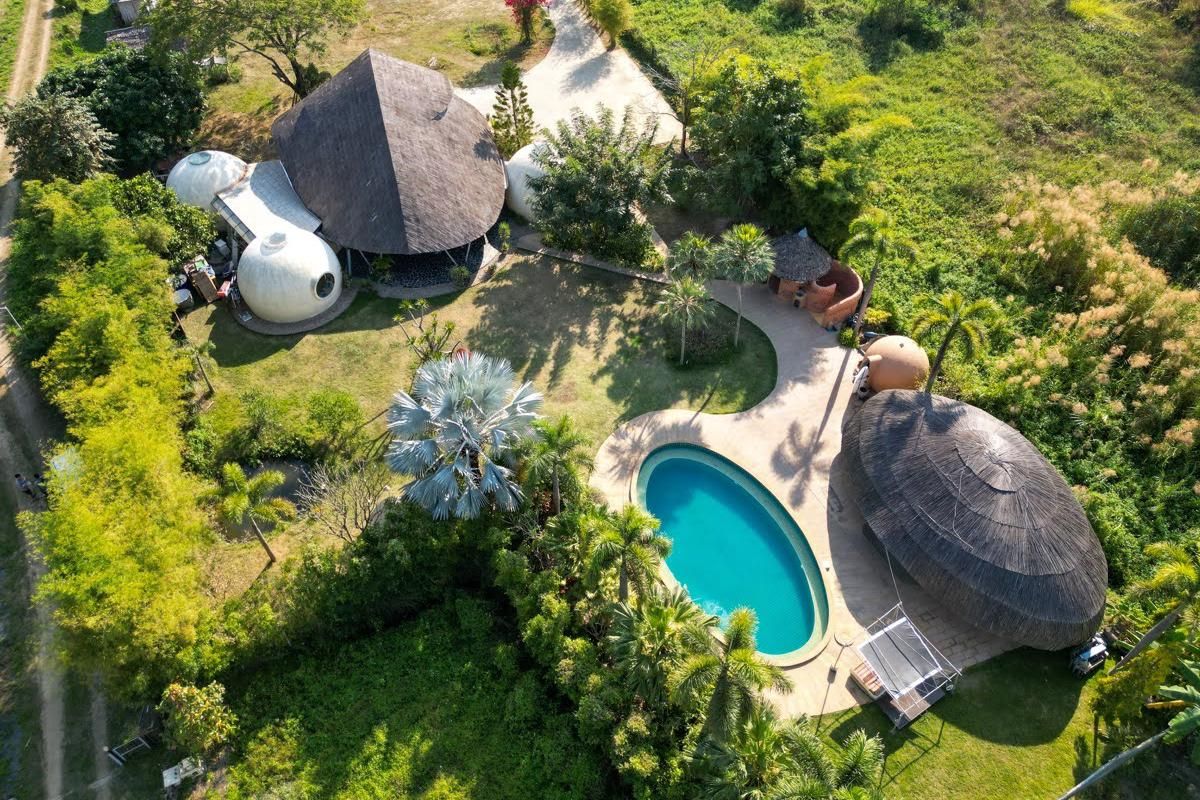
[(521, 166), (288, 276), (198, 178)]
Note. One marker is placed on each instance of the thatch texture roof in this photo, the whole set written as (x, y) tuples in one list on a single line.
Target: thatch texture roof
[(800, 258), (391, 160), (975, 514)]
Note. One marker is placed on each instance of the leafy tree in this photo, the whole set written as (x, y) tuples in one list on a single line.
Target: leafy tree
[(197, 719), (55, 137), (614, 18), (465, 416), (1177, 577), (629, 542), (960, 320), (524, 12), (686, 302), (512, 117), (652, 637), (283, 32), (152, 104), (343, 499), (691, 255), (560, 450), (596, 174), (691, 65), (744, 255), (248, 499), (874, 235), (725, 679), (192, 229)]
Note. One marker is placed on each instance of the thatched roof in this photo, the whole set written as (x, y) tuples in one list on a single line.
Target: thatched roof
[(800, 258), (975, 514), (391, 160)]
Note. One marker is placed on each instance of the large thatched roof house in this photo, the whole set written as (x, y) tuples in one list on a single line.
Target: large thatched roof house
[(391, 160), (978, 517)]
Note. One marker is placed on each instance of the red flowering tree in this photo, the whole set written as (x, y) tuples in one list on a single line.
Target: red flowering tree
[(523, 11)]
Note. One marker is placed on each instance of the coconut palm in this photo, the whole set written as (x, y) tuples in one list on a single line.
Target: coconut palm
[(685, 302), (464, 417), (1186, 698), (651, 638), (629, 542), (245, 499), (1177, 576), (727, 678), (560, 450), (743, 255), (958, 320), (772, 759), (691, 255), (874, 235)]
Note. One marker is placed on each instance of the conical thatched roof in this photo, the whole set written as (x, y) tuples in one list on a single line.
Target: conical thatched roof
[(391, 160), (800, 258), (975, 514)]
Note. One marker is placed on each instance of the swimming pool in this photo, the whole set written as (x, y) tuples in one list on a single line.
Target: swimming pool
[(735, 545)]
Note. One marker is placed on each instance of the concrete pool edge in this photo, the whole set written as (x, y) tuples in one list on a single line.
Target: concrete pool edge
[(784, 518)]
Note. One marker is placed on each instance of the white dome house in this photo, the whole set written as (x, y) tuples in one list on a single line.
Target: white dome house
[(198, 178), (289, 276), (521, 166)]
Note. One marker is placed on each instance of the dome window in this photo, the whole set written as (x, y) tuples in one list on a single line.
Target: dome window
[(325, 285)]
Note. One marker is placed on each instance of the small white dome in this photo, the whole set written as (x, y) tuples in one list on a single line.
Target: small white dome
[(520, 167), (288, 276), (198, 178)]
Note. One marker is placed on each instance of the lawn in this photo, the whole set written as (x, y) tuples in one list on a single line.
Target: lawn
[(587, 338), (1018, 726)]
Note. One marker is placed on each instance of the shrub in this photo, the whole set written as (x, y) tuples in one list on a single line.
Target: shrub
[(922, 23), (460, 276), (1167, 231), (504, 236), (613, 16), (197, 719)]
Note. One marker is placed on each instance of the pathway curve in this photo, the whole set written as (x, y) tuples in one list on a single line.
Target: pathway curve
[(580, 73), (790, 443)]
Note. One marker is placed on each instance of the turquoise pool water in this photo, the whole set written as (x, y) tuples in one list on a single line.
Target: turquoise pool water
[(735, 545)]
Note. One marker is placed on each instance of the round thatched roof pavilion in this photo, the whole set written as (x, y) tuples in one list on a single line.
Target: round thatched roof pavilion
[(799, 258), (978, 517)]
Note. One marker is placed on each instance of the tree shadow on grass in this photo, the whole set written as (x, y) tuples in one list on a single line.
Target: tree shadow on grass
[(245, 135)]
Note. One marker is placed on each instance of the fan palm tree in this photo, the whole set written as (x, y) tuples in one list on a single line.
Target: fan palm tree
[(957, 319), (772, 759), (691, 255), (245, 499), (651, 638), (1186, 698), (1176, 576), (874, 234), (685, 302), (727, 677), (629, 541), (744, 255), (560, 450), (464, 417)]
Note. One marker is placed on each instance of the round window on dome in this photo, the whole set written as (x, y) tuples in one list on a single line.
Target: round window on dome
[(325, 285)]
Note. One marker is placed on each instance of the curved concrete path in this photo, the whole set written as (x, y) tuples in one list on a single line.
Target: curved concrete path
[(580, 73), (790, 442)]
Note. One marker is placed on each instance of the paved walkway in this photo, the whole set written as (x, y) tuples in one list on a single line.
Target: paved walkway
[(580, 73), (790, 443)]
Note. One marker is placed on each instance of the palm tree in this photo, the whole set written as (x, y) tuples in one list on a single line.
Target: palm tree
[(248, 499), (559, 450), (771, 759), (1178, 576), (744, 255), (630, 542), (874, 234), (691, 255), (1186, 722), (727, 677), (960, 320), (463, 418), (686, 302), (651, 638)]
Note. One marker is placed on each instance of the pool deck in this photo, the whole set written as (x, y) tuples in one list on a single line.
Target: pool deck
[(790, 443)]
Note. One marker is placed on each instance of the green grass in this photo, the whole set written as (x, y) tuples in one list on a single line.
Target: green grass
[(79, 34), (20, 736), (586, 338), (438, 708), (1018, 726), (10, 26)]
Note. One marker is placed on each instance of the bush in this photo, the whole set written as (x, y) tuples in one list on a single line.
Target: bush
[(460, 276), (197, 719), (922, 23), (1167, 231)]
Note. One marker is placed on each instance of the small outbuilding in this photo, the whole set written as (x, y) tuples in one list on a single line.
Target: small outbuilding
[(798, 260), (289, 275), (201, 176), (969, 508)]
